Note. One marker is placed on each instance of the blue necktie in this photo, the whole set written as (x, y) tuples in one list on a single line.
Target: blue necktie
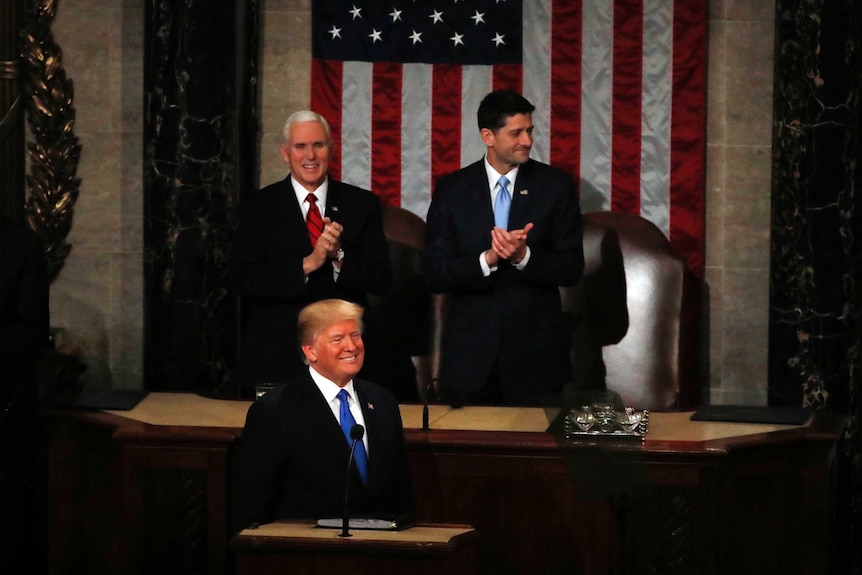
[(347, 423), (501, 205)]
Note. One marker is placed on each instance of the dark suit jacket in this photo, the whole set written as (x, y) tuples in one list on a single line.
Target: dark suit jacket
[(23, 311), (509, 323), (292, 458), (270, 243)]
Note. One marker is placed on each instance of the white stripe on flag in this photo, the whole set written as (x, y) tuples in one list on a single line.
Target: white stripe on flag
[(597, 32), (656, 107), (416, 149), (355, 142), (537, 74), (476, 81)]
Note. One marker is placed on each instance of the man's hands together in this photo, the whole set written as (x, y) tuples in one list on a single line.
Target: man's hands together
[(508, 245), (327, 244)]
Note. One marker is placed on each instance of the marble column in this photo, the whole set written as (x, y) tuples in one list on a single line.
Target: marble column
[(201, 124)]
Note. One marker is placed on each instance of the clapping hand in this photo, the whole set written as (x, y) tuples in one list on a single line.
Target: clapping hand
[(508, 245)]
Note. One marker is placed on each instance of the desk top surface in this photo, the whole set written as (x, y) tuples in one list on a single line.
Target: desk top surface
[(185, 409), (421, 534)]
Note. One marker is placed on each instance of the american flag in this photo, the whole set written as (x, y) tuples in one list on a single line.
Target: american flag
[(618, 85)]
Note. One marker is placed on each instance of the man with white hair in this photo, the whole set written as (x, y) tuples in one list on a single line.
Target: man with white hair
[(306, 238)]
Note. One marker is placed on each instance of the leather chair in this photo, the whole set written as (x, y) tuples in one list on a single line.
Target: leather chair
[(630, 315), (410, 315)]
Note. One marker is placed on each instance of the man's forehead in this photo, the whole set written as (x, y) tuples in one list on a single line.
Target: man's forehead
[(342, 327), (518, 121), (307, 132)]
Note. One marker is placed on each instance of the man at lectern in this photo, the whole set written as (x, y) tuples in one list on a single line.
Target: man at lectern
[(292, 459)]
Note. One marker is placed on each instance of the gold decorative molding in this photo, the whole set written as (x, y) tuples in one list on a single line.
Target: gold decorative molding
[(54, 151)]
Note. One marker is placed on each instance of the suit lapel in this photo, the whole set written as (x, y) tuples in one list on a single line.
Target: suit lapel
[(480, 196), (289, 210), (521, 196), (334, 200), (290, 206), (372, 425), (367, 406), (315, 404)]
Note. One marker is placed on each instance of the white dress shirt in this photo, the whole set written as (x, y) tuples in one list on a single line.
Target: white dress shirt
[(329, 389)]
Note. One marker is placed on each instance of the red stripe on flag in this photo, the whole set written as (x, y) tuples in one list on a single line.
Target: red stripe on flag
[(326, 100), (386, 132), (445, 120), (507, 77), (688, 129), (626, 107), (566, 23)]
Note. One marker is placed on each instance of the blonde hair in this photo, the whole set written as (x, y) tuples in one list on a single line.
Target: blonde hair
[(316, 317)]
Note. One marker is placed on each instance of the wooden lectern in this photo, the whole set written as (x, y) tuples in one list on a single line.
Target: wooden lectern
[(301, 547)]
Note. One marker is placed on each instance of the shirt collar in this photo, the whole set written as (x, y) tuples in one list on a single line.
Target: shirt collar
[(494, 176), (320, 193), (328, 388)]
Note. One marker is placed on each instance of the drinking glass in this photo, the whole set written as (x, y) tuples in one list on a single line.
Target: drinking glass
[(584, 418), (631, 419), (605, 415)]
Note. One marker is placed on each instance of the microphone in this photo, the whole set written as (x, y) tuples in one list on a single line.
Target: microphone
[(356, 433)]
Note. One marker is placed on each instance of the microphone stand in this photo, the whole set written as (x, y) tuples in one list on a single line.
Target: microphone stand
[(356, 433), (425, 406)]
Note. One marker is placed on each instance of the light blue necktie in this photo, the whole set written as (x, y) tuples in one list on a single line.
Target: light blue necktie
[(501, 205), (347, 423)]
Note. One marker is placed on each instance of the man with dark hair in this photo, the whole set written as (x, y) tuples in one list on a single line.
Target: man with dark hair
[(292, 459), (503, 234)]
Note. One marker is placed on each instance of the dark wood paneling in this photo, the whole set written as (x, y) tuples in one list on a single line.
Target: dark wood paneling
[(128, 493)]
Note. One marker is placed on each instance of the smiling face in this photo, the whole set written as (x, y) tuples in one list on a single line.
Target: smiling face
[(337, 352), (510, 145), (307, 151)]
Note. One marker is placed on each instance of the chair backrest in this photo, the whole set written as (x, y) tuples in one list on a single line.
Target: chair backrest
[(628, 314), (409, 313)]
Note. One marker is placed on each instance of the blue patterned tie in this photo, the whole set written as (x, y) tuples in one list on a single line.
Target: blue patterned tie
[(347, 423), (501, 206)]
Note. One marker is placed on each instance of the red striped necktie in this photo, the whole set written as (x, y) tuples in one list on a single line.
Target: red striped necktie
[(313, 221)]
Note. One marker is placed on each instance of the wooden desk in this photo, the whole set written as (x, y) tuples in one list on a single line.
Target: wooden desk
[(294, 547), (145, 490)]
